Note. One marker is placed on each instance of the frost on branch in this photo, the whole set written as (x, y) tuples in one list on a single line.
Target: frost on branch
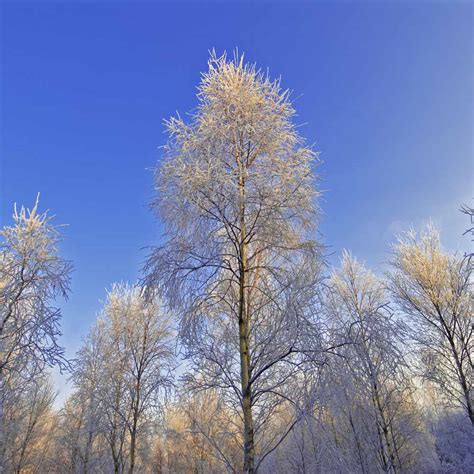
[(236, 193), (32, 276)]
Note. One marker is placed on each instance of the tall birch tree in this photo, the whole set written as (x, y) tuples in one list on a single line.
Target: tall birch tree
[(236, 194)]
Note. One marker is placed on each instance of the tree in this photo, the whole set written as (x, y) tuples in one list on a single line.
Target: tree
[(30, 423), (32, 275), (122, 369), (200, 435), (237, 197), (85, 410), (141, 332), (435, 290), (372, 373)]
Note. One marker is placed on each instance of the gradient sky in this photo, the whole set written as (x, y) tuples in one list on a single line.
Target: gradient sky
[(385, 90)]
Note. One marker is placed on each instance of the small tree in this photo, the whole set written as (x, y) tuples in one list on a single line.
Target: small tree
[(120, 373), (141, 329), (85, 412), (32, 275), (236, 194), (30, 423), (435, 290), (373, 396)]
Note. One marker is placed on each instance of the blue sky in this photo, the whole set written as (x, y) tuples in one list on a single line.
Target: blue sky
[(385, 90)]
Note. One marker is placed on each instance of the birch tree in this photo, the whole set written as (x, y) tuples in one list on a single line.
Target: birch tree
[(32, 276), (236, 194), (140, 331), (435, 290), (200, 435), (86, 409), (120, 375), (372, 377), (30, 423)]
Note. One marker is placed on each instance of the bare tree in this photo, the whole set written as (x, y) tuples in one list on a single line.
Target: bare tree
[(435, 290), (236, 195)]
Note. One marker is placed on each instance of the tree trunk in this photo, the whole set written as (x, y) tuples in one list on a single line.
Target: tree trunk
[(387, 451), (358, 445), (85, 469), (133, 442), (462, 378), (2, 421), (133, 431), (249, 451), (249, 448), (115, 457)]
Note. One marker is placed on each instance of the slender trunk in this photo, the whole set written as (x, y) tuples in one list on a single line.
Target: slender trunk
[(116, 453), (116, 466), (449, 334), (2, 422), (24, 444), (358, 445), (462, 379), (302, 452), (75, 455), (115, 456), (388, 450), (133, 431), (383, 454), (396, 448), (85, 469), (133, 441), (249, 448)]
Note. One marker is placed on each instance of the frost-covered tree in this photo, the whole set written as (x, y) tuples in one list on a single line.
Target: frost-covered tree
[(140, 331), (377, 409), (236, 194), (361, 413), (84, 411), (120, 374), (196, 426), (32, 276), (30, 423), (113, 393), (435, 289)]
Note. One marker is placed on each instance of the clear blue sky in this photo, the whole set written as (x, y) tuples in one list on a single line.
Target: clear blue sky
[(385, 90)]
